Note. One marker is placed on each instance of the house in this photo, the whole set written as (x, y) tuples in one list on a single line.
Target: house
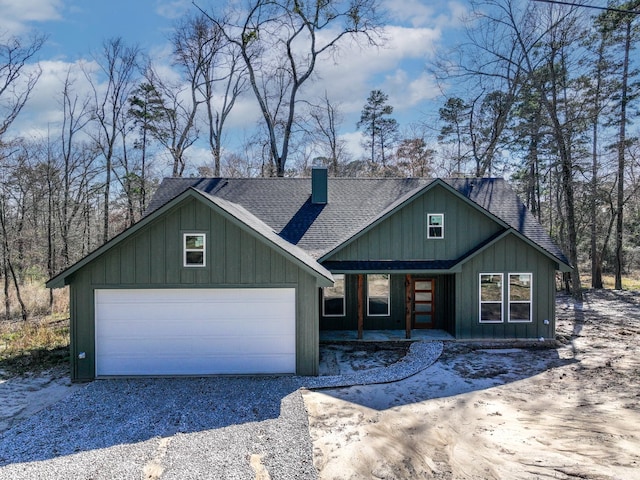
[(226, 276)]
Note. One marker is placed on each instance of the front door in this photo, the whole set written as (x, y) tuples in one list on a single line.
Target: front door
[(423, 303)]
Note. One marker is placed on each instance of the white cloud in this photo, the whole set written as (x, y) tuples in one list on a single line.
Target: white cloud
[(42, 115), (173, 9), (353, 144), (406, 91), (433, 14), (17, 14), (416, 12), (357, 71)]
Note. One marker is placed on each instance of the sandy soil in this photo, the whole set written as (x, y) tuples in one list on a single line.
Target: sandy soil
[(479, 413), (22, 396)]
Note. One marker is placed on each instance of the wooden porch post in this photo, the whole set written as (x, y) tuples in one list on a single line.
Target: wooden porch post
[(360, 305), (408, 305)]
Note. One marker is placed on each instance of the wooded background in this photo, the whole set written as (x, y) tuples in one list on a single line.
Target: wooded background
[(541, 93)]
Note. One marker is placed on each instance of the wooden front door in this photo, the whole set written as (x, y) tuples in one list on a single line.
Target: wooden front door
[(423, 303)]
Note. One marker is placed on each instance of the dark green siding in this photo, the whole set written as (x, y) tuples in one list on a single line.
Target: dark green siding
[(394, 321), (403, 235), (509, 255), (444, 307), (152, 258)]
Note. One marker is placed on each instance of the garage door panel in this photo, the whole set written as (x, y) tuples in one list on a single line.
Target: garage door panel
[(194, 332), (254, 364), (230, 345), (188, 312), (180, 326)]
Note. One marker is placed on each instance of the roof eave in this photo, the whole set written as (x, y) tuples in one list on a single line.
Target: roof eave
[(60, 280), (302, 259), (560, 265), (322, 275)]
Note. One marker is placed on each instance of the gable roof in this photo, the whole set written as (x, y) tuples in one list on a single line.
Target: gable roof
[(235, 213), (355, 204)]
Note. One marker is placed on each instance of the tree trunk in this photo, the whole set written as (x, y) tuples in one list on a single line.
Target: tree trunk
[(106, 198), (622, 139), (8, 265)]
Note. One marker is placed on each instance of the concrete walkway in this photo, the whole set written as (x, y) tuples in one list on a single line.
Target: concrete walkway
[(421, 355)]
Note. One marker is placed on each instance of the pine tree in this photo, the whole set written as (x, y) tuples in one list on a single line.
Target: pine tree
[(381, 130)]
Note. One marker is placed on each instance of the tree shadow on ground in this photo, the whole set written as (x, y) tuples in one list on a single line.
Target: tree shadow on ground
[(113, 412), (462, 368)]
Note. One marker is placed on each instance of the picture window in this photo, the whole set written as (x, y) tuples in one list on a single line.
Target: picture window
[(333, 301), (378, 293), (491, 296), (520, 286)]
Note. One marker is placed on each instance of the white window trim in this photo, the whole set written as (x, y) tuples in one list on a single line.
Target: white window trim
[(501, 275), (185, 249), (530, 301), (344, 303), (429, 215), (388, 298)]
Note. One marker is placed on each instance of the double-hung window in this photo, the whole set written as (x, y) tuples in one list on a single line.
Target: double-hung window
[(333, 298), (435, 225), (194, 250), (520, 285), (491, 295), (378, 290)]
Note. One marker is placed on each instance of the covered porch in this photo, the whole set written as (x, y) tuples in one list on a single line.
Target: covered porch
[(389, 306)]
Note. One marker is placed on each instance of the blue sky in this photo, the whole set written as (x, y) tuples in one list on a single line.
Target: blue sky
[(416, 31)]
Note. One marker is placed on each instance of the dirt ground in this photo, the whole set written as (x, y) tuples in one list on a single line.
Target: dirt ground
[(571, 412), (22, 396)]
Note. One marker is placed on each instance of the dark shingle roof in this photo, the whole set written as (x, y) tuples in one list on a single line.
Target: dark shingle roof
[(285, 205)]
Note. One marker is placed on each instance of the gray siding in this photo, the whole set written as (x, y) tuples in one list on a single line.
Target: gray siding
[(152, 258)]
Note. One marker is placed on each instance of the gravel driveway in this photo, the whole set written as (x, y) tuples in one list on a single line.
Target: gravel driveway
[(181, 428)]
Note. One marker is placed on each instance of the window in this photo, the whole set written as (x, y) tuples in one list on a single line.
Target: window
[(520, 297), (435, 225), (378, 295), (491, 297), (333, 298), (194, 250)]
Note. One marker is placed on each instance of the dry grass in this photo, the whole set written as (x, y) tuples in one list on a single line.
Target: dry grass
[(43, 340), (629, 282), (33, 345), (36, 299)]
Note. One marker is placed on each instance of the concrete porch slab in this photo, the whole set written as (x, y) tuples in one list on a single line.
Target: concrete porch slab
[(384, 335)]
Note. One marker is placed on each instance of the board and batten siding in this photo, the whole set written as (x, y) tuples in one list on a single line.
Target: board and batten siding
[(403, 235), (444, 308), (152, 258), (508, 255)]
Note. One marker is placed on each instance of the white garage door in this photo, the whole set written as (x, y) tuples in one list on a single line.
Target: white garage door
[(195, 331)]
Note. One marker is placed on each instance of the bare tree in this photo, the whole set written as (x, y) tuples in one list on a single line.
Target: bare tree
[(414, 157), (322, 129), (175, 125), (117, 67), (16, 84), (16, 80), (76, 159), (281, 42), (218, 72), (536, 43)]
